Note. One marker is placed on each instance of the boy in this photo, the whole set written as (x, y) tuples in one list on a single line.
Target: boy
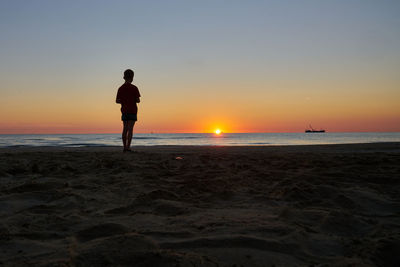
[(128, 95)]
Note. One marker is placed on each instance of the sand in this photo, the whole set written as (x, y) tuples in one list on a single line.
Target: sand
[(332, 205)]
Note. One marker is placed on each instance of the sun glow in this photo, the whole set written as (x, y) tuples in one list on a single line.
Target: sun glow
[(218, 131)]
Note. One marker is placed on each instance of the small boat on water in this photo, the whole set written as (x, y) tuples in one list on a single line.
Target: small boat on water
[(312, 130)]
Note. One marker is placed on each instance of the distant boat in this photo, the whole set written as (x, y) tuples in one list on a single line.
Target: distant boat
[(312, 130)]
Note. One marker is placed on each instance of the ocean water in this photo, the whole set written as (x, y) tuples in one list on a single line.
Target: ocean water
[(200, 139)]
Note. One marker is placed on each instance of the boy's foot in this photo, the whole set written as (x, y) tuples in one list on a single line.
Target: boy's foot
[(127, 150)]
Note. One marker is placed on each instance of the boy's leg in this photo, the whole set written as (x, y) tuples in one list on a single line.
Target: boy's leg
[(124, 133), (130, 133)]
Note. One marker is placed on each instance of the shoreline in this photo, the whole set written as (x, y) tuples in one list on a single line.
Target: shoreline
[(379, 146)]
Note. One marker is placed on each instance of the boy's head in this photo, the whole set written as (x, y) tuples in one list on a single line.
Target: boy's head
[(128, 75)]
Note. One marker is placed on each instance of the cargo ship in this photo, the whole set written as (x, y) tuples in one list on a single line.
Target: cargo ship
[(312, 130)]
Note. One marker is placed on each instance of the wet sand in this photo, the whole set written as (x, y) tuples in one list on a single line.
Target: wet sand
[(330, 205)]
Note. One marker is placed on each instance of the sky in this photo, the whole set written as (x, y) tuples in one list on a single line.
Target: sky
[(241, 66)]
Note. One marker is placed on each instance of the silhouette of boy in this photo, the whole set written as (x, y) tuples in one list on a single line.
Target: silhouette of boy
[(128, 95)]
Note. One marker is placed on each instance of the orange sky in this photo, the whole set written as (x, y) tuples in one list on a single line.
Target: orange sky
[(203, 110)]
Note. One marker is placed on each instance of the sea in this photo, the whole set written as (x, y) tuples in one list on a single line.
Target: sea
[(197, 139)]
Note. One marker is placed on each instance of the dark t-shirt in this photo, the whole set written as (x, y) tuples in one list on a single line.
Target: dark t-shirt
[(127, 94)]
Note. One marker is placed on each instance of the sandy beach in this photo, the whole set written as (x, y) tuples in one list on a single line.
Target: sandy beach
[(322, 205)]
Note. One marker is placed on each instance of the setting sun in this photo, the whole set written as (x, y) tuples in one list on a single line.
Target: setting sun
[(218, 131)]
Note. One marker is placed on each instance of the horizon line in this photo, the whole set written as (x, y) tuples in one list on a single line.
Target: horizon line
[(88, 133)]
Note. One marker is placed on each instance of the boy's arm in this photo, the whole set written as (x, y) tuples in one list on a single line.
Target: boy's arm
[(118, 98), (138, 96)]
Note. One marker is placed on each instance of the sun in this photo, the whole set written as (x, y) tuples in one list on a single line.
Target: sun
[(218, 131)]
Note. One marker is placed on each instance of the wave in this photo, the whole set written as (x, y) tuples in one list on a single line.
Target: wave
[(83, 144), (260, 143), (58, 145)]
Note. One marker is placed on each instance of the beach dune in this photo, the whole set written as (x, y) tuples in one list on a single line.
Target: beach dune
[(323, 205)]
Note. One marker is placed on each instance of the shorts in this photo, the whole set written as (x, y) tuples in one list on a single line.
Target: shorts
[(129, 117)]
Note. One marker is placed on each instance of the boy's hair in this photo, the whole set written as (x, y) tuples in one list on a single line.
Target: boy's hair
[(128, 74)]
